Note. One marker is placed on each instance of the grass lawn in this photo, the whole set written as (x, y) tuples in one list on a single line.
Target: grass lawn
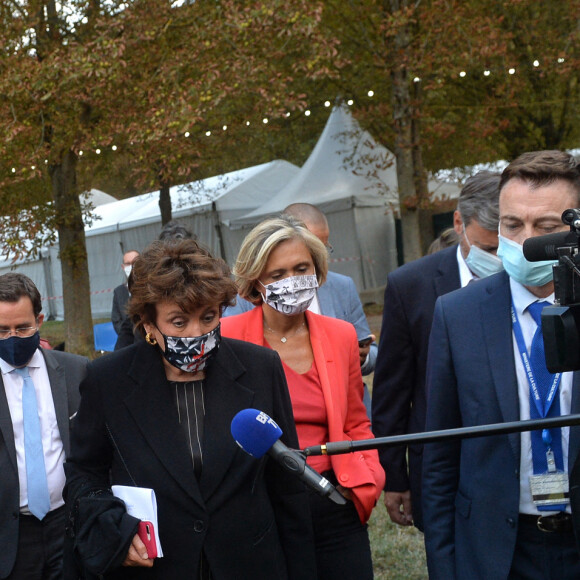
[(52, 331), (398, 552)]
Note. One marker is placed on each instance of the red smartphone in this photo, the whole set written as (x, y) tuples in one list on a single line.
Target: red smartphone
[(147, 535)]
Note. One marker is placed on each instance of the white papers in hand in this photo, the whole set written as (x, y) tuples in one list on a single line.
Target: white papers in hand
[(141, 504)]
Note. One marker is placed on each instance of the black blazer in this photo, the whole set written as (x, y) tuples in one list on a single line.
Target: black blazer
[(250, 518), (399, 399), (119, 311), (65, 372)]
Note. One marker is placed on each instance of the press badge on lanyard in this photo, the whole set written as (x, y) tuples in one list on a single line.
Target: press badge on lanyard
[(551, 487)]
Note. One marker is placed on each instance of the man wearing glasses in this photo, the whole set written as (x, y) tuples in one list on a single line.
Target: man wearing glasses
[(39, 394)]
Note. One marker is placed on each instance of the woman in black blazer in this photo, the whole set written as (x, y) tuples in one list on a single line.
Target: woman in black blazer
[(157, 415)]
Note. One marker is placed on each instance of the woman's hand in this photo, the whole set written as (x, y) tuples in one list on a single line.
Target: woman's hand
[(137, 554)]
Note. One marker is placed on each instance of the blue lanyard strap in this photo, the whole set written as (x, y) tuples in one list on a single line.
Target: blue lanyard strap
[(543, 406)]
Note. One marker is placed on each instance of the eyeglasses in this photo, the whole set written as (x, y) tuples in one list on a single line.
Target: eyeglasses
[(19, 332)]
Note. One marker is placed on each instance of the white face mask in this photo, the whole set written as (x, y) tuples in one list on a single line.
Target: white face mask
[(480, 262), (127, 270), (291, 295)]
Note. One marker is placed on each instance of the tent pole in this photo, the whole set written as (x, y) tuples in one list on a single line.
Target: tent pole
[(218, 230), (359, 247)]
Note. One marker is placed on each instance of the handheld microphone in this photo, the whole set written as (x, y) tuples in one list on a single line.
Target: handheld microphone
[(257, 434), (541, 248)]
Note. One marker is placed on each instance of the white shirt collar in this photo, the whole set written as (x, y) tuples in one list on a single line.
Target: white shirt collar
[(35, 362), (465, 274), (522, 297)]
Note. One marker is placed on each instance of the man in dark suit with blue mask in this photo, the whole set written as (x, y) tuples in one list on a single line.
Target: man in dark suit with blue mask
[(498, 507), (399, 399), (39, 395)]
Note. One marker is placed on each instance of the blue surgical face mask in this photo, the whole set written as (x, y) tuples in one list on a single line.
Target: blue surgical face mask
[(18, 351), (480, 262), (520, 269)]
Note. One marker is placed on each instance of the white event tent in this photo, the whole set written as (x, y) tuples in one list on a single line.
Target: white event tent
[(348, 175), (203, 207), (353, 180)]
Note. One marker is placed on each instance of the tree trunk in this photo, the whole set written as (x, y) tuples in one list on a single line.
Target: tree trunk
[(426, 230), (73, 257), (408, 195), (410, 177)]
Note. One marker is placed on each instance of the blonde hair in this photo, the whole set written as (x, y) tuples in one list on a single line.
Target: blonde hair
[(259, 244)]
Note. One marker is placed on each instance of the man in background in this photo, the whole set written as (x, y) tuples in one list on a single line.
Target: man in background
[(399, 399), (121, 292), (39, 395)]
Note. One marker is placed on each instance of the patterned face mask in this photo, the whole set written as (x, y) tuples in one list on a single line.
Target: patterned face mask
[(291, 295), (192, 354)]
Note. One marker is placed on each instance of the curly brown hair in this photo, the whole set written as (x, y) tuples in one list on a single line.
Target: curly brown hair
[(179, 271)]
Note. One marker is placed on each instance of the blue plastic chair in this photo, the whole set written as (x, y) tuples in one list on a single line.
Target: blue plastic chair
[(105, 337)]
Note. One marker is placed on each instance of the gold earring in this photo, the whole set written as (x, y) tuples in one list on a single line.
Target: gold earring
[(150, 339)]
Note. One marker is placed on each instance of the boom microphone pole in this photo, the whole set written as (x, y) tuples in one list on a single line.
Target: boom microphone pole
[(341, 447)]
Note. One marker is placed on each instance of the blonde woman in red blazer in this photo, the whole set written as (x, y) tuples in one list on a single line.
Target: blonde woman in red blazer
[(279, 265)]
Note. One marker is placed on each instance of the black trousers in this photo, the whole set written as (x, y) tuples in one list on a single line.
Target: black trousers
[(544, 555), (40, 544), (342, 543)]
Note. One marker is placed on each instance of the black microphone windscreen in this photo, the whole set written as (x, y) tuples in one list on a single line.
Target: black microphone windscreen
[(541, 248)]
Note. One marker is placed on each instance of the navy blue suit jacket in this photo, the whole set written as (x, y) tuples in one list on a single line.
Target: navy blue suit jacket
[(399, 400), (471, 488)]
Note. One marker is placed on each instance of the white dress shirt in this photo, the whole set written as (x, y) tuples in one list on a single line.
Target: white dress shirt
[(465, 274), (51, 440), (522, 298)]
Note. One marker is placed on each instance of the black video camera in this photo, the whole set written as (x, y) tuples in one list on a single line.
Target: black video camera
[(561, 322)]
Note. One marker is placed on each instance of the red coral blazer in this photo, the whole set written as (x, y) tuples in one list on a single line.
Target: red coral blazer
[(336, 354)]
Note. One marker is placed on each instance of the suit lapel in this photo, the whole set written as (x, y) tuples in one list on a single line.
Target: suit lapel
[(326, 300), (497, 332), (6, 427), (224, 397), (152, 406), (325, 366), (57, 379), (447, 278), (253, 329)]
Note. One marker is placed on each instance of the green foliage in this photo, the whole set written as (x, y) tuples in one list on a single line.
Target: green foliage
[(473, 118)]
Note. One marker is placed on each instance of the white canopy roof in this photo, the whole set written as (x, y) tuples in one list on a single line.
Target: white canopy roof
[(233, 193), (346, 164)]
